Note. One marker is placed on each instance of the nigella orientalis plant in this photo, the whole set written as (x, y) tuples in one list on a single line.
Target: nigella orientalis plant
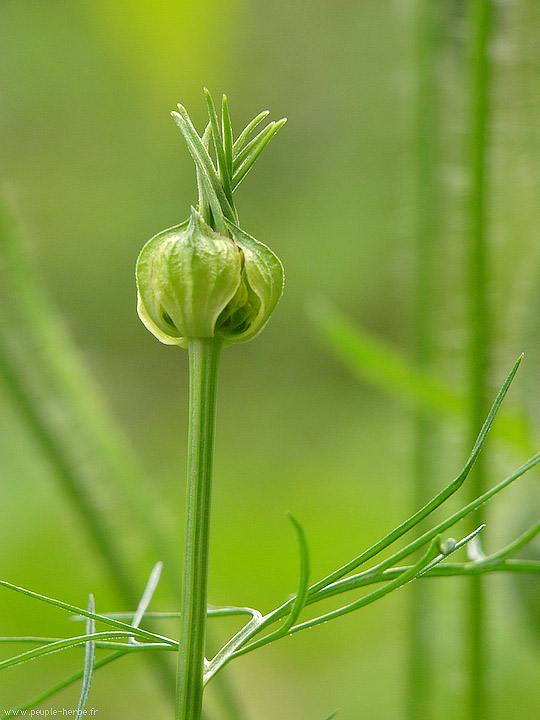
[(203, 285)]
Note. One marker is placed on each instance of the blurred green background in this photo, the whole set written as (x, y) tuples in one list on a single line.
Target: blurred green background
[(94, 166)]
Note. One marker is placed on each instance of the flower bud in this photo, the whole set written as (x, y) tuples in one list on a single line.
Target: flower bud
[(193, 282), (262, 277)]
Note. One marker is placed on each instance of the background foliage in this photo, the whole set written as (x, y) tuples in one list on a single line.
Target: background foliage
[(94, 166)]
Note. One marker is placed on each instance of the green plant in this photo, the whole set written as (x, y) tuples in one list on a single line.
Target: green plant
[(203, 285)]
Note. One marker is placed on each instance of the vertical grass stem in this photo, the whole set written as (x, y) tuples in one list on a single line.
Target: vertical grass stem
[(420, 660), (480, 333)]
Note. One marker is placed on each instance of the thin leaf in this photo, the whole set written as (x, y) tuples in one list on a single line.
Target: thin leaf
[(375, 573), (298, 602), (398, 582), (218, 144), (85, 613), (303, 581), (66, 644), (147, 595), (332, 715), (465, 569), (232, 610), (203, 205), (96, 467), (239, 143), (447, 492), (459, 515), (373, 576), (89, 653), (240, 157), (431, 557), (31, 640), (282, 611), (355, 582), (204, 162), (208, 182), (226, 131), (211, 612), (223, 656), (259, 143)]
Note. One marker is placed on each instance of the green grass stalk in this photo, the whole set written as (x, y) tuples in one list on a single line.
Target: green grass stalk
[(479, 344), (420, 659), (204, 354)]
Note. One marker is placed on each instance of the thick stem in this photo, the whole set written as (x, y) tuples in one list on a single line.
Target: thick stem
[(203, 371), (479, 343)]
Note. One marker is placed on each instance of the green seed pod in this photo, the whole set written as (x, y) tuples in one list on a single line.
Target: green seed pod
[(193, 282)]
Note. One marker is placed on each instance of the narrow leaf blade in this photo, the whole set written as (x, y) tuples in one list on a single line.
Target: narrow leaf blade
[(303, 580), (147, 595), (226, 131), (260, 142), (89, 654), (218, 144), (246, 132), (438, 500), (85, 613)]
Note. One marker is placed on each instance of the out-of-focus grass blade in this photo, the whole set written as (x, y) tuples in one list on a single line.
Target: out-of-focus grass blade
[(88, 453), (373, 360), (70, 419), (88, 670)]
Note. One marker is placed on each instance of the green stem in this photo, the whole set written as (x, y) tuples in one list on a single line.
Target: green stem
[(420, 659), (204, 356), (479, 342)]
